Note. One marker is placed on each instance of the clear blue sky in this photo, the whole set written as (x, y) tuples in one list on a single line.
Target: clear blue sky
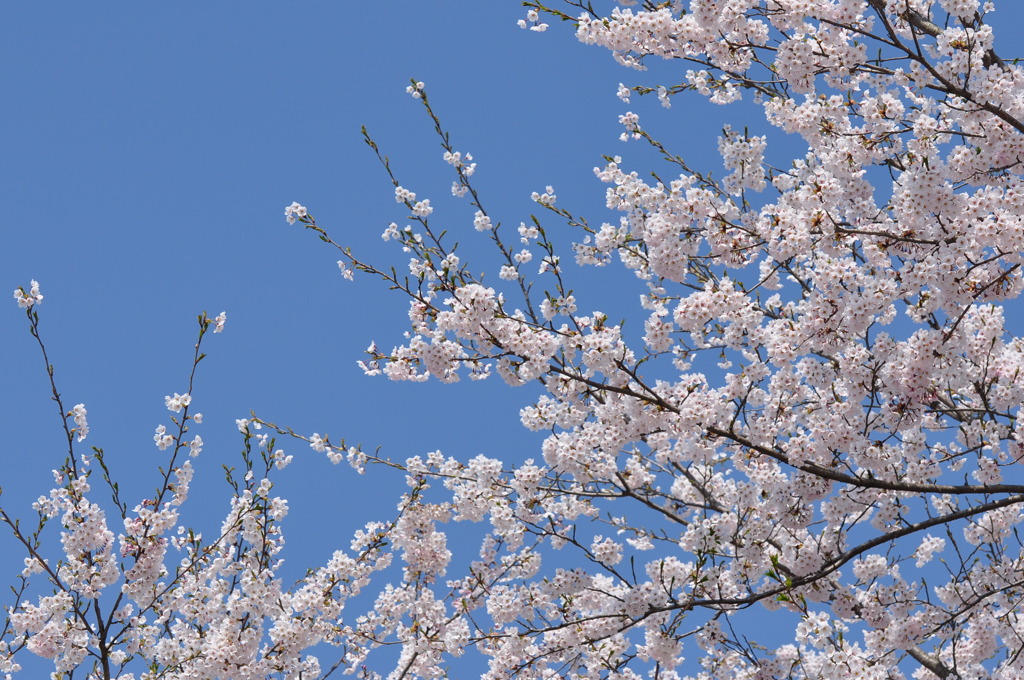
[(148, 152)]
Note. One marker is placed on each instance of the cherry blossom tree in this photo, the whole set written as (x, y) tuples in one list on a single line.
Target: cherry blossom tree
[(803, 466)]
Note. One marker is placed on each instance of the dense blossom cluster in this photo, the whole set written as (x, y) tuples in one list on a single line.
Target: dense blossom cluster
[(156, 600), (821, 417)]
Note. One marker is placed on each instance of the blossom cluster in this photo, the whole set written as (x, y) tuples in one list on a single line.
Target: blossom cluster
[(28, 299), (867, 381)]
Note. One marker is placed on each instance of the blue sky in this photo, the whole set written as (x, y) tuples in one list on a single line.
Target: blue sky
[(149, 153), (149, 150)]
